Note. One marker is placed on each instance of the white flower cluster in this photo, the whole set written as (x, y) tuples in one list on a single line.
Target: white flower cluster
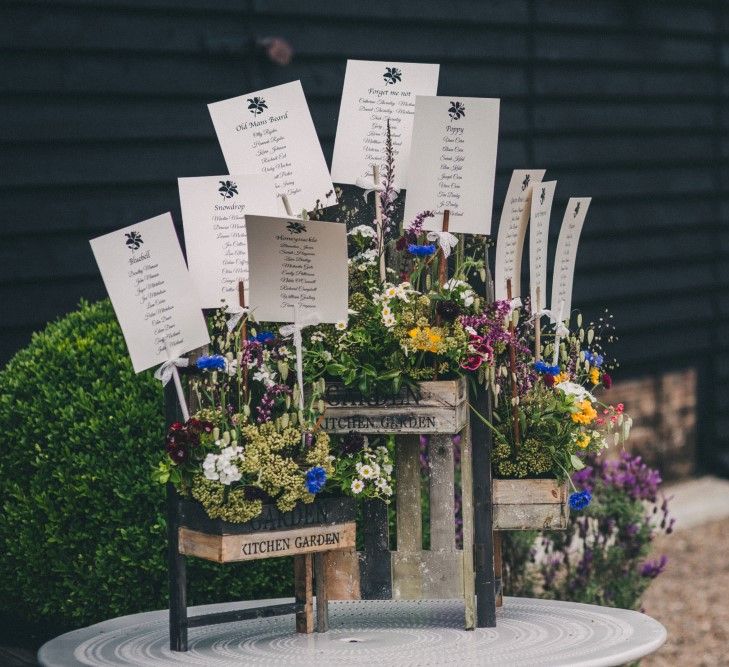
[(461, 290), (375, 469), (362, 230), (365, 259), (222, 467), (401, 292)]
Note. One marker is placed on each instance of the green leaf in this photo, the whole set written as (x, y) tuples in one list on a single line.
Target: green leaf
[(576, 462)]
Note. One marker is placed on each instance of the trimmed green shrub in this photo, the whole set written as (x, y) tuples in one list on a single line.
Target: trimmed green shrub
[(82, 528)]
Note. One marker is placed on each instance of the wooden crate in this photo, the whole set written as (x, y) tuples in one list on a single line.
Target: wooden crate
[(438, 407), (327, 524), (530, 504)]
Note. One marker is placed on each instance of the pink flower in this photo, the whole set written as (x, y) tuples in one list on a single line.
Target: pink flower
[(472, 363)]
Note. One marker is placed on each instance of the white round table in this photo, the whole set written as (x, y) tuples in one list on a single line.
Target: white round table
[(374, 633)]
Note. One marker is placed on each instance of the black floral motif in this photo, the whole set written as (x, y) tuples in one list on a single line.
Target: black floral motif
[(525, 182), (227, 189), (134, 240), (392, 75), (541, 197), (256, 105), (296, 227), (457, 110), (577, 209)]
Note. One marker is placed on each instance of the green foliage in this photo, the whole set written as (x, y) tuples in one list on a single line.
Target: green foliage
[(82, 528)]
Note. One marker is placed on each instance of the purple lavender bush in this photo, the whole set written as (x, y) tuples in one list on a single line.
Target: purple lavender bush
[(603, 556)]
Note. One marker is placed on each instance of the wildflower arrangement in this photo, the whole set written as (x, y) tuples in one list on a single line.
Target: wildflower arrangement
[(548, 415), (364, 470), (248, 442)]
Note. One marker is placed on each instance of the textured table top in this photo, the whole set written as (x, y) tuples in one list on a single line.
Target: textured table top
[(375, 633)]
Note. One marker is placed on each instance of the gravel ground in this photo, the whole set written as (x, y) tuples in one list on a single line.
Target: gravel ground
[(690, 597)]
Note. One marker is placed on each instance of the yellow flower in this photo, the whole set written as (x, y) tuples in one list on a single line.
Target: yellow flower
[(583, 440), (561, 377), (595, 376), (413, 333), (586, 414)]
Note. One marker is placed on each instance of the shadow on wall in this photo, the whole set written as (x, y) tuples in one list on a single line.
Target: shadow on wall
[(663, 408)]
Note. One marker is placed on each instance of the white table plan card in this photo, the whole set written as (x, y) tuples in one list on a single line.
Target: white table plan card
[(566, 254), (375, 92), (512, 230), (151, 290), (541, 209), (297, 264), (453, 162), (271, 132), (213, 218)]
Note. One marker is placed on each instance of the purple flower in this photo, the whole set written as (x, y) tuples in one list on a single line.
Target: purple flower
[(421, 250), (316, 478), (652, 568), (593, 358), (580, 499), (215, 362)]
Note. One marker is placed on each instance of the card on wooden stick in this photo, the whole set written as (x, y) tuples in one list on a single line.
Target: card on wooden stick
[(213, 218), (375, 92), (512, 230), (566, 254), (270, 131), (541, 208), (453, 162), (299, 263), (151, 290)]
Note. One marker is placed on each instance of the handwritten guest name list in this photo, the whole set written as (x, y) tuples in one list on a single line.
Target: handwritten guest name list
[(213, 217), (512, 230), (453, 162), (541, 208), (373, 93), (566, 254), (153, 296), (271, 132), (297, 263)]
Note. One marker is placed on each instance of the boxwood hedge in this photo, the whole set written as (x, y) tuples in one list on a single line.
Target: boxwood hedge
[(82, 527)]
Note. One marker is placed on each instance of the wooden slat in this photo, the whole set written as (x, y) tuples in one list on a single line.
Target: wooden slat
[(304, 593), (321, 591), (342, 574), (442, 493), (469, 582)]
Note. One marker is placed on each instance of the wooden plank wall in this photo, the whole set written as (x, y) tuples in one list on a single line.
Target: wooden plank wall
[(103, 107)]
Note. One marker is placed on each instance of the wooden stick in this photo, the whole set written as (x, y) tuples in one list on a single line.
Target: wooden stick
[(498, 570), (538, 326), (443, 265), (322, 598), (512, 371), (287, 205), (380, 224)]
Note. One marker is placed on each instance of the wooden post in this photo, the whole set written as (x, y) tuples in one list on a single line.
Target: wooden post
[(498, 570), (303, 593), (176, 564), (538, 326), (469, 583), (512, 371), (322, 598), (375, 561)]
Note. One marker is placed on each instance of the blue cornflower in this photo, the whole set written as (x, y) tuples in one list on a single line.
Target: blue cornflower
[(594, 359), (316, 478), (263, 337), (580, 499), (543, 367), (421, 250), (215, 362)]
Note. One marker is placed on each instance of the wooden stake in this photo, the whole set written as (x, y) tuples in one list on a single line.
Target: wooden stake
[(498, 570), (443, 265), (380, 224), (512, 371), (287, 205), (538, 326)]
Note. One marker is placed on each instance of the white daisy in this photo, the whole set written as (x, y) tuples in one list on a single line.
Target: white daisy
[(367, 472), (357, 486), (341, 325), (363, 230), (391, 292)]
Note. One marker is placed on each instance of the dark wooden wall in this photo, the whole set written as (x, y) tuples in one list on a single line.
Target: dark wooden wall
[(102, 105)]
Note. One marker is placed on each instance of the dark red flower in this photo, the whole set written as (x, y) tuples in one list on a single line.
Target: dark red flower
[(401, 243), (178, 452), (194, 425), (548, 380), (472, 363), (607, 381), (448, 310), (207, 427), (176, 426), (352, 443)]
